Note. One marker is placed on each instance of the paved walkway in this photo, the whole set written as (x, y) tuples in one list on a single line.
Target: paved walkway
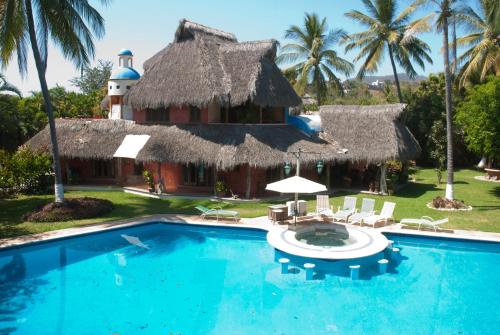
[(259, 222)]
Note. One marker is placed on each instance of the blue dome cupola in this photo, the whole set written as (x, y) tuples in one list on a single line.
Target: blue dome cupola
[(121, 80)]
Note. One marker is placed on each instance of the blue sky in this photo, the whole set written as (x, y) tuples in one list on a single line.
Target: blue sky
[(146, 26)]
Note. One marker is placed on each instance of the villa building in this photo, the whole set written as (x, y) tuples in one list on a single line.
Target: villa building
[(209, 108)]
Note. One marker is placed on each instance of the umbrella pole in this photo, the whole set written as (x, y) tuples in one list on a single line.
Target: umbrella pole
[(296, 209)]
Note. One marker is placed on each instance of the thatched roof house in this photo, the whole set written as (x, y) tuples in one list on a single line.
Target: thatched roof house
[(373, 134), (222, 145), (204, 65)]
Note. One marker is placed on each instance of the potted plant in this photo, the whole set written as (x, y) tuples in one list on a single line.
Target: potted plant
[(148, 178), (220, 188)]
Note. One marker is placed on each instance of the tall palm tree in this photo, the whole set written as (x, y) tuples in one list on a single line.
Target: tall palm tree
[(5, 86), (388, 30), (483, 54), (445, 12), (317, 61), (71, 24)]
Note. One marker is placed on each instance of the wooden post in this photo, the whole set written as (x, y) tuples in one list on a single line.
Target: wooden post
[(160, 187), (260, 114), (249, 181), (383, 176), (68, 172), (328, 166), (215, 179)]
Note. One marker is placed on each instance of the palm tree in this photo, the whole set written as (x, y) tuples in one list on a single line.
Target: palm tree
[(445, 13), (71, 24), (5, 86), (483, 56), (317, 61), (386, 30)]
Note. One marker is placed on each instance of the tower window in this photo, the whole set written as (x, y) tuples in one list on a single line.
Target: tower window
[(128, 87), (110, 87), (117, 87)]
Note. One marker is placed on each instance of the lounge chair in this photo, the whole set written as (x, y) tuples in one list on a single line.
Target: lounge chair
[(347, 210), (217, 212), (425, 221), (385, 215), (323, 205), (367, 209)]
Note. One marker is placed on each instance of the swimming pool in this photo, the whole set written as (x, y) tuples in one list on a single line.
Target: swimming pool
[(185, 279)]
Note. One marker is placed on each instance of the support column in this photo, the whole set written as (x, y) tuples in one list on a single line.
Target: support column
[(328, 166), (160, 188), (215, 178), (249, 182), (383, 177), (68, 171)]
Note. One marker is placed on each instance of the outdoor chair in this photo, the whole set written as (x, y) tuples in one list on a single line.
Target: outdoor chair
[(367, 209), (323, 205), (425, 221), (217, 212), (347, 209), (385, 215)]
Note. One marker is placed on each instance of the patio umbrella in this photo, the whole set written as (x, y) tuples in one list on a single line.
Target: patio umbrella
[(296, 185)]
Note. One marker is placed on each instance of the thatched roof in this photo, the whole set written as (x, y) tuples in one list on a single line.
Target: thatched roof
[(204, 64), (223, 145), (370, 133)]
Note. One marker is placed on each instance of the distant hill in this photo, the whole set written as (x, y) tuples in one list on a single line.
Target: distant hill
[(402, 77)]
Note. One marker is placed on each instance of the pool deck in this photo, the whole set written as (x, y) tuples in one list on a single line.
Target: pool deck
[(256, 223)]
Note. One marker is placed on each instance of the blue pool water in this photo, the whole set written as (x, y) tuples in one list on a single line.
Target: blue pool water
[(177, 279)]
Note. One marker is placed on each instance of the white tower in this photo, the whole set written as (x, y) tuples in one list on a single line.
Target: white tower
[(119, 83)]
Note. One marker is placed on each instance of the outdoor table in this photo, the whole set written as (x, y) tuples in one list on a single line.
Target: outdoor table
[(277, 213)]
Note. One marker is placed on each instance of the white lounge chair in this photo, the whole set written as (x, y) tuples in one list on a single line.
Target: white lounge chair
[(385, 215), (323, 206), (217, 213), (347, 209), (425, 221), (367, 209)]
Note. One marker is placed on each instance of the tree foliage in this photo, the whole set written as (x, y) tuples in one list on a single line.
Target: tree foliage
[(479, 116), (95, 78), (391, 32), (313, 57)]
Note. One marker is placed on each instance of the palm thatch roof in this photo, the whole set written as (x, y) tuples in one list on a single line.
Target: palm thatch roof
[(371, 133), (203, 64), (221, 145)]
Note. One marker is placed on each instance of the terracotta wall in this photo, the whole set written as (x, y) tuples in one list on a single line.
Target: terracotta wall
[(178, 115)]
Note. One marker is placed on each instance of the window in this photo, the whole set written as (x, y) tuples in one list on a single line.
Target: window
[(138, 169), (248, 113), (272, 115), (117, 87), (102, 169), (110, 87), (128, 87), (197, 175), (195, 114), (159, 115)]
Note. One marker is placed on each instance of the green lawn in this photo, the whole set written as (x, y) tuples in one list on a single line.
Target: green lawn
[(411, 202)]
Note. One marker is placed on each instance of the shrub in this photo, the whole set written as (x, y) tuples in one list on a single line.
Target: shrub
[(25, 172), (70, 209)]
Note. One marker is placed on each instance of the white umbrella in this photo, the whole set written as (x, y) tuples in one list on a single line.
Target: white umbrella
[(296, 185)]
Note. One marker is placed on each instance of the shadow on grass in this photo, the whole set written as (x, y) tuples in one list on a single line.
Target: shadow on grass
[(415, 190), (495, 191)]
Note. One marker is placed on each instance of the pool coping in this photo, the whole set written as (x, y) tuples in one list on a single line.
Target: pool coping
[(260, 223)]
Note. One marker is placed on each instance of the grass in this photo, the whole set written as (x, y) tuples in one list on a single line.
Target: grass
[(411, 202)]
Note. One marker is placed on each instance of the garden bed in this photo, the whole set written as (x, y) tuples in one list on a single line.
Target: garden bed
[(70, 209)]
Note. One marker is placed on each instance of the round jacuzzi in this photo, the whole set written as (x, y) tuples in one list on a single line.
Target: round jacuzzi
[(328, 241)]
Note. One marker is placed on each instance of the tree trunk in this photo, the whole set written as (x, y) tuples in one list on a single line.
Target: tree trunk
[(58, 187), (318, 85), (449, 116), (395, 71), (454, 46)]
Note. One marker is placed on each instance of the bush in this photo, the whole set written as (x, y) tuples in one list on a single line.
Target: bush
[(442, 202), (70, 209), (25, 172)]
